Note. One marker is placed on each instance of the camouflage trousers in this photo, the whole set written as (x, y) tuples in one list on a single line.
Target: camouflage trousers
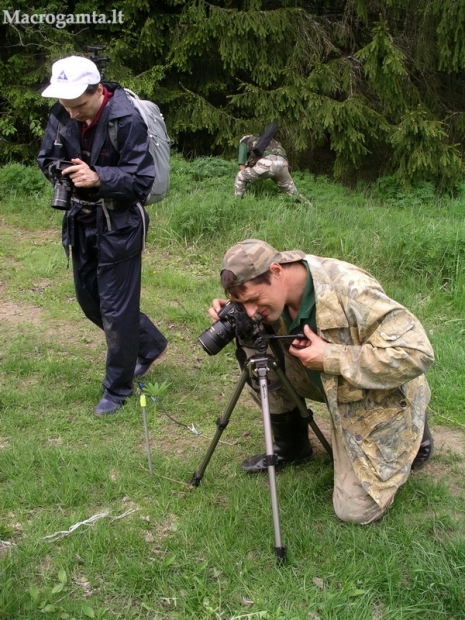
[(272, 167), (350, 500)]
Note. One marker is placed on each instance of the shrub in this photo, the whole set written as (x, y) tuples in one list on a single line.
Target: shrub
[(17, 178)]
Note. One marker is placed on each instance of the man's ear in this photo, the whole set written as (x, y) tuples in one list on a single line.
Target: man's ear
[(276, 270)]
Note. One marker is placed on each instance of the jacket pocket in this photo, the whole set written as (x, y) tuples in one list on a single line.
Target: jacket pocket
[(393, 331), (347, 393), (382, 430), (125, 239)]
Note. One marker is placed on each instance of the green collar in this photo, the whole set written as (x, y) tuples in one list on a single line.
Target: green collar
[(307, 308)]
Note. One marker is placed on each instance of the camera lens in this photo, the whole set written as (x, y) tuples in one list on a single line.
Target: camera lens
[(61, 194), (62, 185), (216, 337)]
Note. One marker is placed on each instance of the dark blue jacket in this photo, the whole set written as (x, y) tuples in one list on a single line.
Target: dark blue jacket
[(127, 176)]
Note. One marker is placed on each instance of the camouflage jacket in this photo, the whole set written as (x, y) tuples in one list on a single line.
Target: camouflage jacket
[(247, 157), (373, 376)]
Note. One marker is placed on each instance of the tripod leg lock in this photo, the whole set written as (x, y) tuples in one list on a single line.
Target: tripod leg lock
[(221, 425), (309, 418)]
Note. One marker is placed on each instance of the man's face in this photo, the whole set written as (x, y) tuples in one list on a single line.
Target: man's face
[(268, 300), (85, 107)]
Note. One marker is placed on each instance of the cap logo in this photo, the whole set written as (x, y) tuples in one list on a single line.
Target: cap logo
[(70, 78)]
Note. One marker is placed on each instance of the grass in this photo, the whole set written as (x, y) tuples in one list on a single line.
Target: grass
[(159, 549)]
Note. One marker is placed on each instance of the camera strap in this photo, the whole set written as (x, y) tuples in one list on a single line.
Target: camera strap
[(144, 231)]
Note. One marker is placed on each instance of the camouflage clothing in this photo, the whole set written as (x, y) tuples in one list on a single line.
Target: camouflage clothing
[(373, 381), (252, 257), (248, 143), (373, 376), (272, 164)]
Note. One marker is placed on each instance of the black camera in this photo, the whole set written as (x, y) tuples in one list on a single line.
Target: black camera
[(62, 185), (233, 322)]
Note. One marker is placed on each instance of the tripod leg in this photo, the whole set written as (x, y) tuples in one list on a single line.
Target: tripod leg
[(221, 424), (308, 415), (271, 460)]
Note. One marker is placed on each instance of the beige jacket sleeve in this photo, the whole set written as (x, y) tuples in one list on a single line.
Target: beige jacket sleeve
[(397, 351), (373, 341)]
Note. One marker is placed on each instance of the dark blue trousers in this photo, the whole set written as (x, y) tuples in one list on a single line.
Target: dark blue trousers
[(107, 280)]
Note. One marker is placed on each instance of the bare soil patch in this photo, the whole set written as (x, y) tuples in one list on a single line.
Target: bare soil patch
[(11, 312), (14, 317)]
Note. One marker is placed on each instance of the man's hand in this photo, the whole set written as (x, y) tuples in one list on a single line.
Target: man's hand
[(310, 350), (217, 304), (81, 175)]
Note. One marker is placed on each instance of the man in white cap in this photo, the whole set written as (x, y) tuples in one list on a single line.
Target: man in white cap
[(364, 355), (104, 223)]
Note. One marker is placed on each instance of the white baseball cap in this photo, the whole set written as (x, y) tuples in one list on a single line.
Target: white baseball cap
[(70, 77)]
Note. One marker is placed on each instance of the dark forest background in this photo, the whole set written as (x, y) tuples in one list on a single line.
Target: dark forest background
[(359, 89)]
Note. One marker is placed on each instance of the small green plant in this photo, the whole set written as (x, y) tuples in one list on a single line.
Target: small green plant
[(46, 600), (49, 600), (155, 390), (388, 188), (90, 612)]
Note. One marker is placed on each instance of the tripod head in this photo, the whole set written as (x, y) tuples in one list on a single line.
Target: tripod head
[(262, 341), (262, 359), (100, 61)]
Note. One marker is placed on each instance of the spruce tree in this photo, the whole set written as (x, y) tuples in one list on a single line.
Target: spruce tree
[(356, 88)]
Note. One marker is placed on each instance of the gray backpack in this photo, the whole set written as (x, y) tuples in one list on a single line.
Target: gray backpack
[(159, 144)]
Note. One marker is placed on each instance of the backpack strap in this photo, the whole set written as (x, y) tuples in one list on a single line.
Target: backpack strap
[(58, 141), (113, 133), (113, 125)]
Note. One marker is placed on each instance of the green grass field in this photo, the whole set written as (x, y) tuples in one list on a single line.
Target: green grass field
[(153, 547)]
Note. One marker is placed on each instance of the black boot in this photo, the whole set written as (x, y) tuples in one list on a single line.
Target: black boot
[(291, 443), (426, 449)]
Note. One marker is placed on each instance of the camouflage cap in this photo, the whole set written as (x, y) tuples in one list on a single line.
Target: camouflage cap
[(252, 257)]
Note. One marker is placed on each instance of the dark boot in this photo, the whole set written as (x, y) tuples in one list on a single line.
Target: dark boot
[(291, 443), (426, 449)]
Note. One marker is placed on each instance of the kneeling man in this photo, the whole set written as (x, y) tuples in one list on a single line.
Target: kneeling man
[(364, 355)]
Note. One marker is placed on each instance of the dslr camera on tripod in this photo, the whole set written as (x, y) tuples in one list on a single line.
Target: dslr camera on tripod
[(62, 185), (233, 322)]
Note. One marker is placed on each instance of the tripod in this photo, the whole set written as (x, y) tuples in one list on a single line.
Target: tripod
[(258, 366)]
